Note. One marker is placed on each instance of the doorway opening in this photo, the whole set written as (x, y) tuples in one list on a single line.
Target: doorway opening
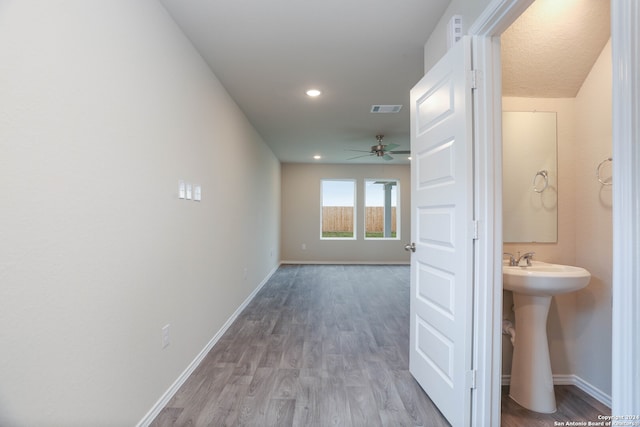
[(534, 80)]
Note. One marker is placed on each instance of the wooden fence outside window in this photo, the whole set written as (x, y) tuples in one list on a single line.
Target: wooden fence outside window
[(340, 219)]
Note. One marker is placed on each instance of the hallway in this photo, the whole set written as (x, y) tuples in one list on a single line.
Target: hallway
[(319, 345)]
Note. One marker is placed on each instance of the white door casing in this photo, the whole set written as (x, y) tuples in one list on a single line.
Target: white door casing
[(625, 23), (625, 44), (442, 230)]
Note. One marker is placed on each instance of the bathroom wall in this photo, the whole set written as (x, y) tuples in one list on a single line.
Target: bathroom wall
[(594, 234), (579, 326)]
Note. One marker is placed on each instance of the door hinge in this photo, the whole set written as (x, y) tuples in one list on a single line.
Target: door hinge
[(476, 229), (471, 379), (473, 77)]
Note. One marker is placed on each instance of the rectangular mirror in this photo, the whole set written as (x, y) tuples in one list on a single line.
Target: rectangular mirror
[(530, 177)]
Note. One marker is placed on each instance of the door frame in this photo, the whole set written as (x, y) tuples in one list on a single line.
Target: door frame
[(625, 375), (486, 31)]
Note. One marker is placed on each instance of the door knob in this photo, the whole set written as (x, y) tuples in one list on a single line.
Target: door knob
[(410, 247)]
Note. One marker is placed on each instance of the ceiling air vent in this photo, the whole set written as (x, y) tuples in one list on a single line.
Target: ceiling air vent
[(386, 108)]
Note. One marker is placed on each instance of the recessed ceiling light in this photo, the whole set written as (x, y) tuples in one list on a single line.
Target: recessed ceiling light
[(313, 93), (317, 157)]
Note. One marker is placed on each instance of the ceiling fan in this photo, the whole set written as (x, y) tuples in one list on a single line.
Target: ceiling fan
[(380, 150)]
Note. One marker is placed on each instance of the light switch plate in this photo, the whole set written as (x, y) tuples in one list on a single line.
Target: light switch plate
[(197, 193), (181, 189), (166, 340), (188, 195)]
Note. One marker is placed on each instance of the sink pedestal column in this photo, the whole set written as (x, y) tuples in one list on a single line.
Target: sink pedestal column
[(531, 378)]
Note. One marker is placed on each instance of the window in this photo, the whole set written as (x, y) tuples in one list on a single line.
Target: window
[(381, 209), (338, 209)]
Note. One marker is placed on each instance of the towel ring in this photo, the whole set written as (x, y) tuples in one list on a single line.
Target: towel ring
[(545, 175), (608, 159)]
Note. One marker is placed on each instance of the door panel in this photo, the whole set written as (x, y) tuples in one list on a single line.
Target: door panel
[(442, 214)]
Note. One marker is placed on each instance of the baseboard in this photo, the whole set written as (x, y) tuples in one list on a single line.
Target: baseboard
[(345, 262), (593, 391), (166, 397), (574, 380)]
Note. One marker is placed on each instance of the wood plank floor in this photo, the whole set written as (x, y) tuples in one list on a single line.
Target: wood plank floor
[(573, 405), (318, 346), (321, 346)]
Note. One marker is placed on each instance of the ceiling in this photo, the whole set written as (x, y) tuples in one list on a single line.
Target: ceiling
[(357, 52), (550, 49), (361, 53)]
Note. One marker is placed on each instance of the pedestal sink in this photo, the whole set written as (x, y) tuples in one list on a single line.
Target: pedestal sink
[(533, 286)]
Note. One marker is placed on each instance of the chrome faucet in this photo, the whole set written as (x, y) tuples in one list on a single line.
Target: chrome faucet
[(515, 262), (512, 259), (527, 257)]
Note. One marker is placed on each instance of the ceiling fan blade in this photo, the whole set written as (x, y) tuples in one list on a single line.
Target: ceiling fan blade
[(399, 152), (390, 147), (359, 151), (387, 157), (357, 157)]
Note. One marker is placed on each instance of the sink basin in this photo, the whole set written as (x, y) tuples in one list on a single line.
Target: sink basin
[(531, 382), (544, 279)]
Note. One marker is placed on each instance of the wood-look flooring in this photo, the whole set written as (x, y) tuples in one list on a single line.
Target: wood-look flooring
[(317, 346), (572, 404), (322, 346)]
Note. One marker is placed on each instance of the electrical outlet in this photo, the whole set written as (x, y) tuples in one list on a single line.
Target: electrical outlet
[(165, 336)]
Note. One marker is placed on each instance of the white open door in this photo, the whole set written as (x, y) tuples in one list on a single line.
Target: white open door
[(442, 233)]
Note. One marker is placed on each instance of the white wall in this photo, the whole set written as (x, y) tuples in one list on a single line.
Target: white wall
[(594, 225), (104, 106), (301, 215), (436, 45), (579, 326)]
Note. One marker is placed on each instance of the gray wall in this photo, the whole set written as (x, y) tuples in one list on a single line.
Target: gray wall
[(104, 106), (301, 215)]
